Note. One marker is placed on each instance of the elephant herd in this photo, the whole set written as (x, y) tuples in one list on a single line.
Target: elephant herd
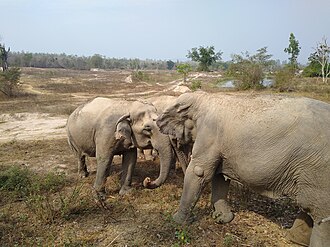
[(275, 145)]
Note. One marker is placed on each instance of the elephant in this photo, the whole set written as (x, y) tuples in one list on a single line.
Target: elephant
[(105, 127), (276, 145), (182, 151), (160, 102)]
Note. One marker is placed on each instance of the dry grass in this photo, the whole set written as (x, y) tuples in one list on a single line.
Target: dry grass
[(69, 216)]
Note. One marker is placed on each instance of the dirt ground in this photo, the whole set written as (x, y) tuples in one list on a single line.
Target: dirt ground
[(32, 134)]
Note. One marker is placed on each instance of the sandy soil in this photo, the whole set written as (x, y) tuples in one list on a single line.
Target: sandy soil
[(31, 126)]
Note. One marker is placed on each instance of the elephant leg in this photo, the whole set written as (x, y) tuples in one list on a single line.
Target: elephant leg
[(222, 210), (82, 167), (301, 230), (128, 165), (195, 180), (104, 161), (320, 235)]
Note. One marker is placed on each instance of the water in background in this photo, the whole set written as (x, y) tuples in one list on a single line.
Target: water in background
[(230, 83)]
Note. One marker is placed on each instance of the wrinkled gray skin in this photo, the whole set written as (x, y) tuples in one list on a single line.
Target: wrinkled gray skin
[(182, 150), (278, 146), (105, 127), (182, 147)]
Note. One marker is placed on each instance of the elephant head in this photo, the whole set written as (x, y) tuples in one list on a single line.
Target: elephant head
[(145, 134), (177, 122)]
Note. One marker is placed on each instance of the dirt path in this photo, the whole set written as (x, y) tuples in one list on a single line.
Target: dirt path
[(31, 126)]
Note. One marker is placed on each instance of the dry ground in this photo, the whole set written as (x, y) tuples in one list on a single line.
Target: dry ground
[(32, 136)]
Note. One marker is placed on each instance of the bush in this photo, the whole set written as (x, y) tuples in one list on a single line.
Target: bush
[(195, 85), (24, 183), (139, 76), (284, 79), (42, 194), (15, 179), (249, 75), (9, 81)]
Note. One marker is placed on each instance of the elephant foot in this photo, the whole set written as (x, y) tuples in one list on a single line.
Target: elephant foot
[(182, 219), (100, 199), (125, 190), (300, 232), (83, 174), (222, 212)]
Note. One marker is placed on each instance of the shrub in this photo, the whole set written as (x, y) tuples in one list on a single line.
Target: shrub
[(184, 69), (9, 81), (195, 85), (15, 179), (139, 76), (24, 182), (284, 79)]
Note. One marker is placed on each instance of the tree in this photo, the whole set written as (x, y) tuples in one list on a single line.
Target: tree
[(4, 57), (250, 70), (293, 50), (9, 81), (170, 64), (96, 61), (321, 55), (205, 56), (184, 69)]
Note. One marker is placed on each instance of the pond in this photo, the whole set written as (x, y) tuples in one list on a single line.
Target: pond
[(230, 83)]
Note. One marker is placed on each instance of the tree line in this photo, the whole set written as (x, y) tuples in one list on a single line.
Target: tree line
[(249, 70), (46, 60)]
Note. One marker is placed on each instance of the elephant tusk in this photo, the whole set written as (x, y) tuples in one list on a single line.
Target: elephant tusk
[(324, 220), (147, 183)]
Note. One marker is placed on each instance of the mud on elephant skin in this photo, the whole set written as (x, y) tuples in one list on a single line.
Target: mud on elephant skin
[(105, 127), (276, 145)]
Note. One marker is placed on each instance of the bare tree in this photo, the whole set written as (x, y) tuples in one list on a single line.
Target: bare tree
[(322, 52)]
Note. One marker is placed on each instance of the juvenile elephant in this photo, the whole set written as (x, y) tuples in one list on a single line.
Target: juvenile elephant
[(278, 146), (105, 127)]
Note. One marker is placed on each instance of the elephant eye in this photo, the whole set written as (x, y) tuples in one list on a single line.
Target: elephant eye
[(147, 127), (147, 130)]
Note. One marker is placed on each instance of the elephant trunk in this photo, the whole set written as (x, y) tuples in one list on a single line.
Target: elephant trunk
[(167, 160), (182, 156)]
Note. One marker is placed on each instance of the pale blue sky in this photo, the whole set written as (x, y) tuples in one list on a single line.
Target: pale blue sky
[(162, 29)]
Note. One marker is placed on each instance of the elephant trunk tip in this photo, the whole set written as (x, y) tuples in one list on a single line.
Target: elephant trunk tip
[(147, 183)]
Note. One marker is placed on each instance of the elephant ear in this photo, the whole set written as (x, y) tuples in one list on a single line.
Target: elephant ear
[(123, 127), (172, 120)]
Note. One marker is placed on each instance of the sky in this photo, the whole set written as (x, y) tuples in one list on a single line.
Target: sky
[(163, 29)]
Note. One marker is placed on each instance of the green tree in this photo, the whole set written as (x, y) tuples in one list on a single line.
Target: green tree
[(249, 70), (9, 81), (170, 64), (184, 69), (205, 56), (96, 61), (293, 50)]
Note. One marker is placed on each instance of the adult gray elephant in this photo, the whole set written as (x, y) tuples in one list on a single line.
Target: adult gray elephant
[(278, 146), (105, 127), (183, 147)]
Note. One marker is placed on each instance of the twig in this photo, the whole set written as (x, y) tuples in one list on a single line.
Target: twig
[(114, 239)]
